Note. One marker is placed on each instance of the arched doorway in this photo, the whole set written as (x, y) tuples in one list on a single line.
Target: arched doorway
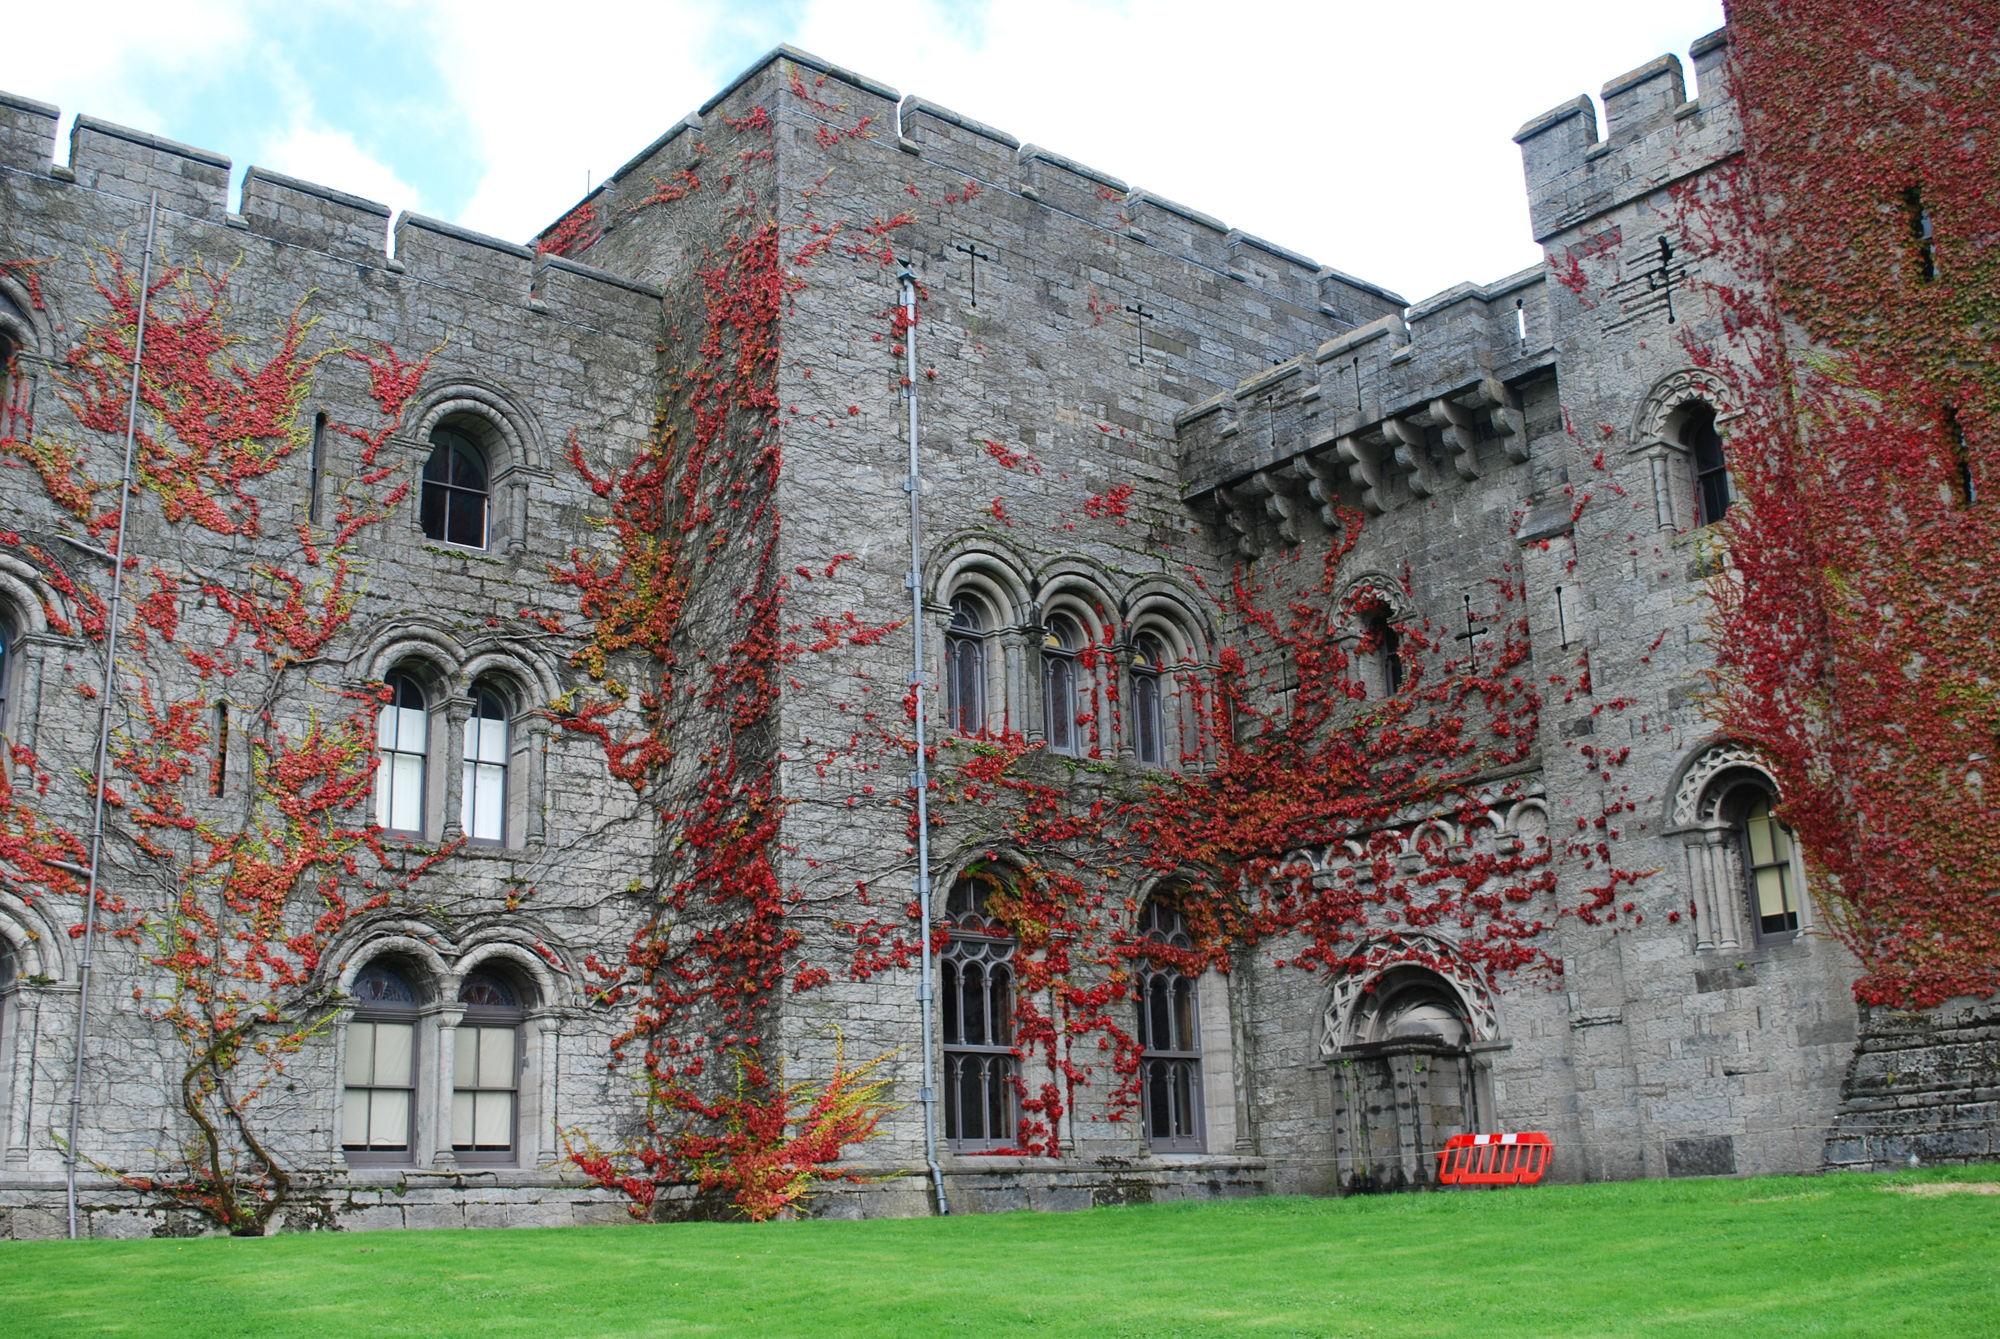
[(1407, 1047)]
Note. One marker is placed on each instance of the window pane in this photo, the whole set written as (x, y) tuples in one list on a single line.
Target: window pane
[(1184, 1015), (465, 1057), (360, 1054), (393, 1042), (1760, 841), (997, 1095), (385, 728), (406, 788), (485, 816), (467, 520), (496, 1057), (1001, 1025), (1772, 899), (354, 1118), (411, 723), (461, 1120), (1146, 704), (493, 1120), (951, 1068), (388, 1118), (972, 1105), (974, 1015)]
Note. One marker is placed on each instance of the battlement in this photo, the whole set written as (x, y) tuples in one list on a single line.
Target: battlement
[(1367, 417), (128, 164), (1653, 136)]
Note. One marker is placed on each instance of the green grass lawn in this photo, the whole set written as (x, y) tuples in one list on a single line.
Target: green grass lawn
[(1780, 1255)]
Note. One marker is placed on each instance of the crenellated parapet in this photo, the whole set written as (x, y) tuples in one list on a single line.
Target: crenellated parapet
[(1654, 136), (119, 163), (1396, 411)]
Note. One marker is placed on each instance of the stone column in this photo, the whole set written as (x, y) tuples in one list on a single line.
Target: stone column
[(1663, 486), (533, 830), (1706, 923), (24, 1018), (443, 1159), (1722, 890), (457, 712)]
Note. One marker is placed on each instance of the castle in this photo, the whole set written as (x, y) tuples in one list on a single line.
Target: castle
[(1125, 410)]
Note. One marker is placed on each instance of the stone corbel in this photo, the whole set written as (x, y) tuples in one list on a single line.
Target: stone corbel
[(1413, 454), (1460, 435), (1323, 486), (1296, 519), (1364, 471), (1242, 512), (1508, 419)]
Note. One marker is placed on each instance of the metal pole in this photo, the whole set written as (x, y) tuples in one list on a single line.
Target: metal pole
[(927, 1094), (104, 711)]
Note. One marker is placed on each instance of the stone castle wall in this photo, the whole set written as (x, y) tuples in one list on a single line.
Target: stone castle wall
[(1516, 433)]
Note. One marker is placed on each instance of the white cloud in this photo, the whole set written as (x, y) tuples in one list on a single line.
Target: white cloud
[(332, 158)]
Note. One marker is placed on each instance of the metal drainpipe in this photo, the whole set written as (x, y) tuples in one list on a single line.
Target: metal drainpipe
[(104, 713), (920, 780)]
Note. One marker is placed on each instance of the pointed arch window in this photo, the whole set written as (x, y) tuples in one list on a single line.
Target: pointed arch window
[(1060, 643), (378, 1110), (1169, 1032), (1712, 494), (402, 737), (1149, 725), (455, 490), (483, 803), (965, 668), (981, 1072), (486, 1071)]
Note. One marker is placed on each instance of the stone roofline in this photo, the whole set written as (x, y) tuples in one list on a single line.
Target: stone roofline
[(1267, 460), (1653, 136), (999, 160), (119, 161)]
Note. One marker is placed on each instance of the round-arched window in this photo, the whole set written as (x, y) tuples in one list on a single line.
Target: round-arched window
[(980, 1070), (486, 1070), (1771, 882), (483, 805), (378, 1109), (455, 490), (1061, 640), (1149, 731), (1169, 1032), (402, 737), (1711, 466), (965, 668)]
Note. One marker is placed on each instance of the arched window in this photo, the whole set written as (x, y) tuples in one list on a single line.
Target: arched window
[(965, 668), (1169, 1033), (1060, 643), (1766, 846), (7, 640), (1149, 725), (378, 1111), (980, 1070), (1382, 645), (454, 501), (483, 808), (486, 1071), (402, 733), (1711, 467)]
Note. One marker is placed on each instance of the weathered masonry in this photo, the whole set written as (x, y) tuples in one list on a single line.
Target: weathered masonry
[(630, 811)]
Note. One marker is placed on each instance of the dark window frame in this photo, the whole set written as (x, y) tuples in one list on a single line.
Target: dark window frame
[(488, 1014), (1062, 679), (1709, 461), (477, 772), (977, 942), (372, 1012), (456, 497), (965, 668), (1149, 720), (1169, 1011), (398, 681)]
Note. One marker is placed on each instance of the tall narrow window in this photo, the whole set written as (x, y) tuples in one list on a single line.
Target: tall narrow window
[(1059, 647), (980, 1070), (1965, 488), (486, 1071), (1711, 466), (402, 734), (377, 1113), (1919, 219), (1383, 645), (965, 669), (1768, 848), (483, 809), (316, 470), (1148, 715), (218, 767), (454, 503), (6, 675), (1169, 1032)]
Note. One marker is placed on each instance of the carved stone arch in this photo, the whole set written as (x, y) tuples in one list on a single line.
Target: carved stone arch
[(1383, 588), (1420, 951), (1085, 594), (23, 324), (26, 597), (510, 433), (39, 946), (1167, 604), (437, 651), (992, 571), (515, 946), (1655, 420), (1694, 794), (393, 939), (516, 664)]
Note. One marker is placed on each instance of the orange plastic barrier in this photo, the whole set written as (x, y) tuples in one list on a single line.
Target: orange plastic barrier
[(1494, 1159)]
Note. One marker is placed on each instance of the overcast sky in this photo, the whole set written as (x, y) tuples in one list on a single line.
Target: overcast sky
[(1373, 136)]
